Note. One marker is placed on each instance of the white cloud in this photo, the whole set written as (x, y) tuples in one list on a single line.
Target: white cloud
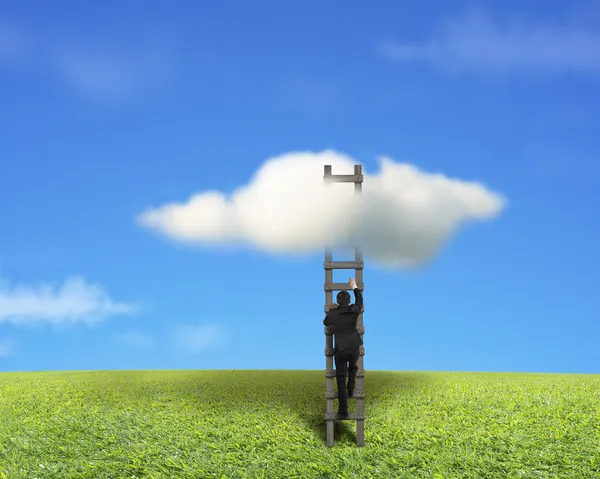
[(403, 217), (196, 338), (474, 42), (73, 301), (135, 339)]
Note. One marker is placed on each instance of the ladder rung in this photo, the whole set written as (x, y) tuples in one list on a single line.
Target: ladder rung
[(333, 395), (341, 286), (343, 178), (331, 351), (330, 306), (352, 416), (330, 373), (344, 264), (360, 329)]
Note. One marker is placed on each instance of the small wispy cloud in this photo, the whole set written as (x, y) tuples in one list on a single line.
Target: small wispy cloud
[(13, 41), (312, 96), (110, 75), (135, 339), (75, 301), (196, 338), (552, 161), (105, 72), (6, 348), (474, 42)]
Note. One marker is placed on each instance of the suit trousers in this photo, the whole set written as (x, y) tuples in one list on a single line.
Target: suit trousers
[(345, 365)]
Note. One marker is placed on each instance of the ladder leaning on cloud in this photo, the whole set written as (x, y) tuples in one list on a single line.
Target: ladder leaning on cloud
[(330, 287)]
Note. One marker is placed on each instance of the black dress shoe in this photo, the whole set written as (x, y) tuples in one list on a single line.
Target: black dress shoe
[(350, 394)]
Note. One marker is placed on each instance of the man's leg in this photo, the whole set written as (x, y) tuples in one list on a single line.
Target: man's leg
[(352, 370), (341, 370)]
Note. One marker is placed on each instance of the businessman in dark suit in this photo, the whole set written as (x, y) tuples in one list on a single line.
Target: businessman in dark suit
[(342, 322)]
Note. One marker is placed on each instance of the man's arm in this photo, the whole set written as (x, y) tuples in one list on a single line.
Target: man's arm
[(358, 299)]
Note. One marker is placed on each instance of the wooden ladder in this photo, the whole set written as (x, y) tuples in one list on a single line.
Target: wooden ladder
[(330, 287)]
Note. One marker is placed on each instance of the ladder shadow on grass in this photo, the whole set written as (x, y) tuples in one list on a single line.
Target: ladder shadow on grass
[(299, 394), (307, 400)]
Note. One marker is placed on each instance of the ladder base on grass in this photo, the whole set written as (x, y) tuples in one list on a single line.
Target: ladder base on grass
[(331, 418)]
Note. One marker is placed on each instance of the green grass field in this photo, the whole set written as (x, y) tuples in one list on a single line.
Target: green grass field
[(269, 424)]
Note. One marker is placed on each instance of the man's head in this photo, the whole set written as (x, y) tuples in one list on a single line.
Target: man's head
[(343, 298)]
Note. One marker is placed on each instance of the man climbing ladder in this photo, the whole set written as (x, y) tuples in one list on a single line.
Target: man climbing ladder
[(341, 319)]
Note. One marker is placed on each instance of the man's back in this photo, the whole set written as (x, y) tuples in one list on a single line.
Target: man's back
[(342, 322)]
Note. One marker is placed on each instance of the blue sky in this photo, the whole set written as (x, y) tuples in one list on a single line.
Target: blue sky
[(112, 110)]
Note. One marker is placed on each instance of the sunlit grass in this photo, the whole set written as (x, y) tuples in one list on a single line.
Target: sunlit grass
[(269, 424)]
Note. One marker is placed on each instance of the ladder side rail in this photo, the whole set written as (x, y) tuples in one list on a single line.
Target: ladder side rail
[(329, 338), (360, 380)]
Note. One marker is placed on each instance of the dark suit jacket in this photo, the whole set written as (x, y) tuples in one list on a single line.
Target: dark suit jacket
[(342, 322)]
